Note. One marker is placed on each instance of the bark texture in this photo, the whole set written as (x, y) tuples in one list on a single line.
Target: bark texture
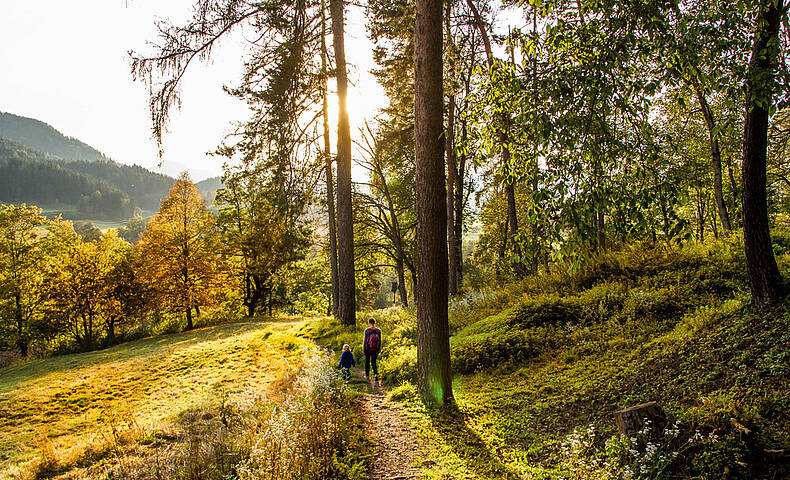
[(330, 187), (433, 344), (764, 277), (345, 228)]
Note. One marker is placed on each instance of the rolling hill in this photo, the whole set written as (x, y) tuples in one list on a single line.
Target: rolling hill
[(146, 188), (44, 138), (28, 176), (42, 166)]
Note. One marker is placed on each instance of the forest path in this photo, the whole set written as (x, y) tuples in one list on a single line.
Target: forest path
[(395, 445)]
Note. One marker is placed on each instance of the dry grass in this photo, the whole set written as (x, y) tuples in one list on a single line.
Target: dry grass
[(78, 410)]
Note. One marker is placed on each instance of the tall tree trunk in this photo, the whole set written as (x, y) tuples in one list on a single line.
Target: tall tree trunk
[(449, 138), (512, 218), (735, 193), (189, 318), (503, 247), (252, 295), (399, 268), (450, 154), (715, 154), (459, 202), (600, 229), (330, 192), (111, 329), (433, 341), (700, 216), (765, 280), (345, 228)]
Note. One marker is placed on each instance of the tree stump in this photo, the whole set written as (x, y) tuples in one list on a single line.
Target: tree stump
[(632, 419)]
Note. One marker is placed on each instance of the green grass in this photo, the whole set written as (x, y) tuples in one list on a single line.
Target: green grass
[(537, 360), (66, 403)]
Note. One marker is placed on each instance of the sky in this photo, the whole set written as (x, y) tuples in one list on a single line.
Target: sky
[(66, 63)]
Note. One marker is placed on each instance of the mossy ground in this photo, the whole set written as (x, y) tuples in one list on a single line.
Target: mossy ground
[(560, 352), (67, 407)]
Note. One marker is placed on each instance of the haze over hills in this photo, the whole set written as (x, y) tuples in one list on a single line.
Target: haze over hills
[(44, 138), (41, 166)]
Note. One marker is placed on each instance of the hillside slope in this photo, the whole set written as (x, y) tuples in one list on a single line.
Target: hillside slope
[(542, 366), (145, 187), (44, 138), (208, 189), (69, 410), (27, 176)]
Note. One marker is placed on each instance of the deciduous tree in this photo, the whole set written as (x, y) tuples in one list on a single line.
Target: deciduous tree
[(24, 249), (180, 253)]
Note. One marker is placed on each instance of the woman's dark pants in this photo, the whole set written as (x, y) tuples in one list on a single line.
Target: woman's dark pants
[(371, 358)]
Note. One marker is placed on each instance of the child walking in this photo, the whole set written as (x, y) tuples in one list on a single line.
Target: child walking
[(346, 362)]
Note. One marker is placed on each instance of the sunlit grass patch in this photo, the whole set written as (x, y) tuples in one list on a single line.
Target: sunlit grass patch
[(65, 405)]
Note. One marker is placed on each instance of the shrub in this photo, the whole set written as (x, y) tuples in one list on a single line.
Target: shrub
[(500, 348), (405, 391), (548, 310), (310, 433), (399, 365), (661, 303)]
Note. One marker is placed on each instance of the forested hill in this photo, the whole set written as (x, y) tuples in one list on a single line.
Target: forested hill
[(146, 188), (28, 176), (44, 138)]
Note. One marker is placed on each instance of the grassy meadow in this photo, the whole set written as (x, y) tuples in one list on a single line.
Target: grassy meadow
[(69, 409)]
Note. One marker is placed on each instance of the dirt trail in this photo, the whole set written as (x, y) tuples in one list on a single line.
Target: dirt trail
[(395, 446)]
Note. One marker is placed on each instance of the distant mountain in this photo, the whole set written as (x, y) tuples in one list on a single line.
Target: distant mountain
[(29, 176), (208, 189), (44, 138), (29, 141)]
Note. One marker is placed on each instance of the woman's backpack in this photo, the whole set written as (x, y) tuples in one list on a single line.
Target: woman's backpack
[(374, 341)]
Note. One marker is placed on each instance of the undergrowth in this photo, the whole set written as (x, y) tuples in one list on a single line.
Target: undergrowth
[(542, 363)]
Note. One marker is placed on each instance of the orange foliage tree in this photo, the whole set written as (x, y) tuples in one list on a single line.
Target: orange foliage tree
[(179, 252)]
